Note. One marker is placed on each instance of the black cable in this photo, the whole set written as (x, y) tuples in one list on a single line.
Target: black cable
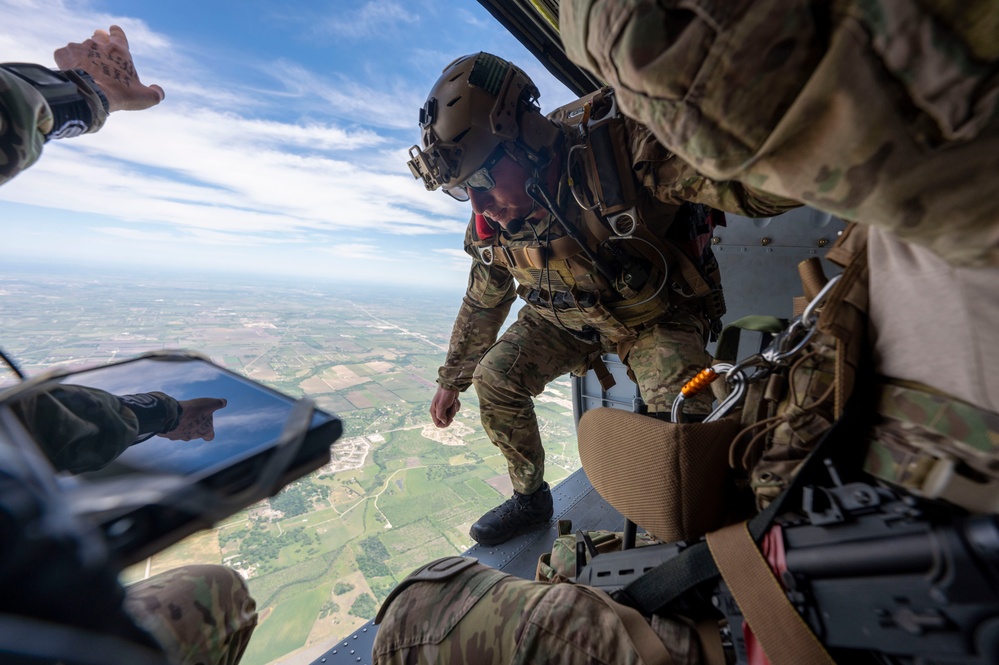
[(546, 271)]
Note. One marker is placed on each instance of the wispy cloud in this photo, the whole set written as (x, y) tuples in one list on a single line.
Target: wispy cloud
[(391, 105), (359, 251), (370, 19), (454, 259), (190, 164), (269, 158)]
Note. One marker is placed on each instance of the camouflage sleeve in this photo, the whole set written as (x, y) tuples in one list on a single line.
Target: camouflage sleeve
[(24, 120), (672, 180), (876, 111), (484, 308), (84, 429)]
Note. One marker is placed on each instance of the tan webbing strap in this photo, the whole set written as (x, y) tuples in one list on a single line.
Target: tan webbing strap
[(535, 257), (711, 644), (645, 640), (783, 634), (606, 379), (812, 277), (691, 273), (851, 242)]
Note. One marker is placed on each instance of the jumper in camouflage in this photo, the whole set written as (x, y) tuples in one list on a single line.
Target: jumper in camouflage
[(663, 352)]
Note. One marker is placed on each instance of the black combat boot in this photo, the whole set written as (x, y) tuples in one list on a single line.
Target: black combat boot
[(515, 515)]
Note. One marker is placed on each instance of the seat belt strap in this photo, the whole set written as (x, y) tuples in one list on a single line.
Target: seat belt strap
[(785, 637)]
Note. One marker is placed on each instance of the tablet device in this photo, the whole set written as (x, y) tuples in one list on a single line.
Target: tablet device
[(159, 490)]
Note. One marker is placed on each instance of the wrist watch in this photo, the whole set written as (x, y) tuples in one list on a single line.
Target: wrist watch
[(71, 113)]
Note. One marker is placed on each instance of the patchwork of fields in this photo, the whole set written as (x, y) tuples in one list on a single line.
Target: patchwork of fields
[(321, 555)]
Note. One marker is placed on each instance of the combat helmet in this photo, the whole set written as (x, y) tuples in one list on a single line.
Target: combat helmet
[(479, 109)]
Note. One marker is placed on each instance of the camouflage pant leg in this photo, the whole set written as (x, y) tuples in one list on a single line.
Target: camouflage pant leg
[(665, 357), (483, 616), (517, 367), (199, 614)]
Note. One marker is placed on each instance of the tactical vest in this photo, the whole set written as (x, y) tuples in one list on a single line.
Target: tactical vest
[(646, 275)]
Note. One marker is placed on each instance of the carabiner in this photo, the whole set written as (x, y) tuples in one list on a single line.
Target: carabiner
[(703, 379), (737, 379)]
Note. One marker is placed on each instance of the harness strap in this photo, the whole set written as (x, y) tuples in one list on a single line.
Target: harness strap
[(783, 634), (607, 380), (712, 649), (692, 274), (536, 258)]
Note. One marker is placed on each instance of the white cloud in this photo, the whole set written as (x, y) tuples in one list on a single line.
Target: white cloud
[(368, 20), (393, 105), (358, 251), (195, 167), (280, 168), (454, 259)]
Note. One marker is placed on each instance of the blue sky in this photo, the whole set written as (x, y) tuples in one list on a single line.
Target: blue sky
[(280, 148)]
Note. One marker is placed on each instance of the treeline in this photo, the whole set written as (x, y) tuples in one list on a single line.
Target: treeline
[(298, 498), (371, 560), (444, 471), (364, 607), (260, 546)]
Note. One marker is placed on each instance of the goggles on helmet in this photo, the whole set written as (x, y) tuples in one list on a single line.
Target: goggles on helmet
[(480, 181)]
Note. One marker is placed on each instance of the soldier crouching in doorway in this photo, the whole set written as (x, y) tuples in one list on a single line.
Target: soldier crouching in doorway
[(642, 284), (881, 112)]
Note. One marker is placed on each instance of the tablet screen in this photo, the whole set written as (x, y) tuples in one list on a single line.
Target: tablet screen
[(249, 423)]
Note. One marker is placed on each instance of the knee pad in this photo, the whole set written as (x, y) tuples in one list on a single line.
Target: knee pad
[(435, 571)]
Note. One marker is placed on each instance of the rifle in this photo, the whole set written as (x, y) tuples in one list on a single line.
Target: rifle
[(870, 569)]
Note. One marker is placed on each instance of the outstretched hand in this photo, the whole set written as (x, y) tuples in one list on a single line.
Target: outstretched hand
[(444, 406), (106, 57), (197, 420)]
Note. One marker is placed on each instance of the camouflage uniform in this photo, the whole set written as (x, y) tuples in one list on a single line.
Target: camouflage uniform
[(197, 614), (878, 111), (25, 119), (440, 623), (544, 343), (883, 112)]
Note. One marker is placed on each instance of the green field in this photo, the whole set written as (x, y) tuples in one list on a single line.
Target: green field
[(427, 493), (287, 627)]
